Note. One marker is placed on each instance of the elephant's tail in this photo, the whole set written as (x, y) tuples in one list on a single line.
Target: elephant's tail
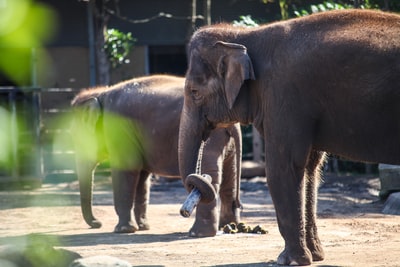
[(88, 94)]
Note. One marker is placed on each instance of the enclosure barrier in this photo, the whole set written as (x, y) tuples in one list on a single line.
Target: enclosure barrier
[(41, 144)]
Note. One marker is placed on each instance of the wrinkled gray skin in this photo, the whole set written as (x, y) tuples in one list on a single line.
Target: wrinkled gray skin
[(154, 103), (325, 82)]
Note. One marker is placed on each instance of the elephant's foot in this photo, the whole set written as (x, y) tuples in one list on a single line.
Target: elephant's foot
[(205, 228), (206, 223), (229, 218), (317, 251), (142, 222), (144, 226), (95, 224), (295, 259), (225, 221), (229, 213), (129, 227)]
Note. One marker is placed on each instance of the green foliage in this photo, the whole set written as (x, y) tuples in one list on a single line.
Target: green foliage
[(245, 21), (12, 128), (284, 5), (122, 137), (36, 250), (23, 25), (393, 5), (304, 8), (117, 46), (5, 140), (325, 6)]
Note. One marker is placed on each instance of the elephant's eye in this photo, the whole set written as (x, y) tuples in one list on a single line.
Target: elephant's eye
[(196, 94)]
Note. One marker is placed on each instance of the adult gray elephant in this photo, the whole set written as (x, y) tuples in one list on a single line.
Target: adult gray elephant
[(136, 124), (325, 82)]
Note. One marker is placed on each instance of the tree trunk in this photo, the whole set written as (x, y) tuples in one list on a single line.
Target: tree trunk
[(103, 64)]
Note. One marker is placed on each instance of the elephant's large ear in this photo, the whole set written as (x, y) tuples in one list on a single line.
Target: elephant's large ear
[(235, 67)]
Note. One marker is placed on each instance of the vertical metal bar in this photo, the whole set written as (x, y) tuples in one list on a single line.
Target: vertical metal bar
[(92, 46), (36, 104), (207, 12), (146, 60), (194, 11), (14, 132), (257, 145), (33, 67)]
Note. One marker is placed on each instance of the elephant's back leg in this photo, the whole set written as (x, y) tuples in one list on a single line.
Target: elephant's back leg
[(313, 177), (229, 190), (142, 199)]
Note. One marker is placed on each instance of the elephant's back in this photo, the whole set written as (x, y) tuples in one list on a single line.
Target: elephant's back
[(157, 91)]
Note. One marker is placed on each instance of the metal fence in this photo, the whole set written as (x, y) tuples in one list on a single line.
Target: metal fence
[(20, 155)]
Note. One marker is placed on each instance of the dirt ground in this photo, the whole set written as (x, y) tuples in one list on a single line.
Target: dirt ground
[(353, 230)]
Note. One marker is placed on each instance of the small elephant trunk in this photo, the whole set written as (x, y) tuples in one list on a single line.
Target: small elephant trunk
[(86, 187)]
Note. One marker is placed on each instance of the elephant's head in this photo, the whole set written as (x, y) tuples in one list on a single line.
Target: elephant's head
[(217, 71)]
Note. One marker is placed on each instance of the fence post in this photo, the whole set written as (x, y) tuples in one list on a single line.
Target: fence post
[(257, 145)]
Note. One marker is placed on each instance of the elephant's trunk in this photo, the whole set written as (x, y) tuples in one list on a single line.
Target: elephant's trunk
[(190, 136)]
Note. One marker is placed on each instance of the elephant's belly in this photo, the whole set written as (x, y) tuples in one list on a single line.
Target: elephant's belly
[(163, 167), (380, 144)]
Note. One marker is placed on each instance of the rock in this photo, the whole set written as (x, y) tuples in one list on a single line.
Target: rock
[(392, 204), (252, 169), (100, 261), (389, 176), (34, 256), (6, 263)]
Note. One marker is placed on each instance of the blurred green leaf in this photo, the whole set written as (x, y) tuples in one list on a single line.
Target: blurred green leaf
[(5, 139), (121, 136), (24, 25)]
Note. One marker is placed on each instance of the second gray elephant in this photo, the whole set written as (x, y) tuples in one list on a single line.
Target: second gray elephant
[(136, 125)]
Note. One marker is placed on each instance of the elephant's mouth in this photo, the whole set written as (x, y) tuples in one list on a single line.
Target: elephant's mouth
[(208, 128), (224, 124)]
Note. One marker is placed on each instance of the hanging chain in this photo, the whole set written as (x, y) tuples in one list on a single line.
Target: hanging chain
[(199, 158)]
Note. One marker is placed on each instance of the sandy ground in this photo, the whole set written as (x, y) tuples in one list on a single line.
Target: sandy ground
[(353, 230)]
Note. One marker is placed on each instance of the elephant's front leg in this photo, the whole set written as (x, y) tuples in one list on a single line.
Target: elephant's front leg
[(206, 222), (289, 206), (207, 215), (124, 186), (142, 200), (285, 176)]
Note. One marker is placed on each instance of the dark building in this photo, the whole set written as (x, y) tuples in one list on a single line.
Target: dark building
[(161, 28)]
